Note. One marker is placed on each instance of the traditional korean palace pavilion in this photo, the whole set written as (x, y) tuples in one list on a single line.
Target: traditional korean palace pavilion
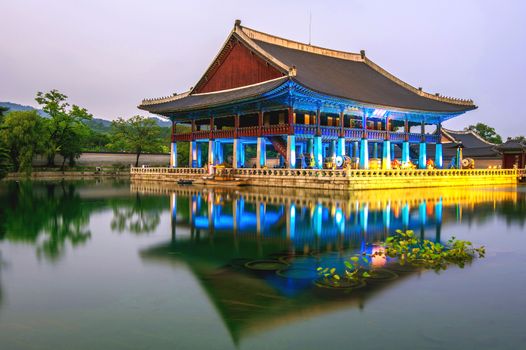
[(310, 104)]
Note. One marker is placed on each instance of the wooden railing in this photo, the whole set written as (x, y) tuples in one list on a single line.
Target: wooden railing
[(278, 129), (224, 134), (248, 131), (330, 132)]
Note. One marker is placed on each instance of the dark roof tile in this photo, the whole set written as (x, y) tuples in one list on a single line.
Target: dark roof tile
[(354, 80)]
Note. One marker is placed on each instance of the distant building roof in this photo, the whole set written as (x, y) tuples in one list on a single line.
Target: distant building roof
[(468, 138), (474, 146), (512, 145)]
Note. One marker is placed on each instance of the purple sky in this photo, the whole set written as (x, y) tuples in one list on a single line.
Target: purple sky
[(108, 55)]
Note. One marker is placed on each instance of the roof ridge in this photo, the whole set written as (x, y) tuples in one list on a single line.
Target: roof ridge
[(361, 57), (297, 45), (157, 100)]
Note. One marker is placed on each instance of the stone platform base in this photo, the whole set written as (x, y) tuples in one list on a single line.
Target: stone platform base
[(342, 179)]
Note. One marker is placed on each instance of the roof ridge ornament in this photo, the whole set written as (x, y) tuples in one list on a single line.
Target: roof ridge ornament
[(156, 100)]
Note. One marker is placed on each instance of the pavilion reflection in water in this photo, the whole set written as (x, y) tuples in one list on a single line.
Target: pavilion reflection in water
[(215, 233)]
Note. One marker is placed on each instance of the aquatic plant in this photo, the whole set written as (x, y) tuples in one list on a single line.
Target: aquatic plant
[(407, 248), (404, 248)]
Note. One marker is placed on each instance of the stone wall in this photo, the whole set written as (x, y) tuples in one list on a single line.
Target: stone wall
[(108, 159)]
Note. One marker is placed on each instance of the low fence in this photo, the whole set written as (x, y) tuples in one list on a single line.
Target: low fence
[(109, 159), (343, 179)]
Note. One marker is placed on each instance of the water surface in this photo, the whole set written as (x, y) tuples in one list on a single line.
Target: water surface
[(114, 265)]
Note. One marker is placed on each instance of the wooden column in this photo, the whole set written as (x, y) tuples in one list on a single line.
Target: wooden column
[(387, 128), (260, 123), (236, 125), (211, 137), (318, 122), (193, 129), (173, 130), (364, 125), (342, 124), (422, 131), (290, 112), (406, 129)]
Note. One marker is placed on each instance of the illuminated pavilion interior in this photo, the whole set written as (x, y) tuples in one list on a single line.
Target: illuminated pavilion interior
[(308, 102)]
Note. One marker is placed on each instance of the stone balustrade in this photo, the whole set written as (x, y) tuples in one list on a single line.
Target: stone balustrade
[(343, 179)]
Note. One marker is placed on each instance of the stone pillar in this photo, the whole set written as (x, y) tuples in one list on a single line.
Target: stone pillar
[(219, 153), (310, 150), (364, 154), (235, 154), (438, 156), (332, 149), (405, 153), (291, 151), (318, 157), (422, 156), (261, 146), (341, 146), (242, 159), (439, 161), (173, 155), (375, 149), (192, 154), (386, 155), (211, 152), (356, 149), (199, 158)]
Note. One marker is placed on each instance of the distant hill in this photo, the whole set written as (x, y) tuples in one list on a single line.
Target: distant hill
[(96, 124), (17, 107)]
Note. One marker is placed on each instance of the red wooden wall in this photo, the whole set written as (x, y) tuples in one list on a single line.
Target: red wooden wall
[(509, 160), (239, 67)]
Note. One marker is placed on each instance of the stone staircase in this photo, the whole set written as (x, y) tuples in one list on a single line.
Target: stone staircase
[(280, 145)]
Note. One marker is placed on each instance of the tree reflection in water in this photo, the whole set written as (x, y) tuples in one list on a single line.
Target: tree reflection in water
[(139, 218), (49, 216), (54, 215)]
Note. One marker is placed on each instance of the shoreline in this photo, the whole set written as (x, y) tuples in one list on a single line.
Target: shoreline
[(53, 175)]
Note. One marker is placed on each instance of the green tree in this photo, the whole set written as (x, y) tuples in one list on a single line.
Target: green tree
[(519, 139), (3, 111), (5, 163), (96, 141), (137, 134), (22, 135), (486, 132), (66, 128)]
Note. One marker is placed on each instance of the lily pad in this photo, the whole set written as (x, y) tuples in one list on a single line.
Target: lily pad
[(266, 265)]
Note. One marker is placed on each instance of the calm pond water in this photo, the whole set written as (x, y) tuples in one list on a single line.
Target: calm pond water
[(113, 265)]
